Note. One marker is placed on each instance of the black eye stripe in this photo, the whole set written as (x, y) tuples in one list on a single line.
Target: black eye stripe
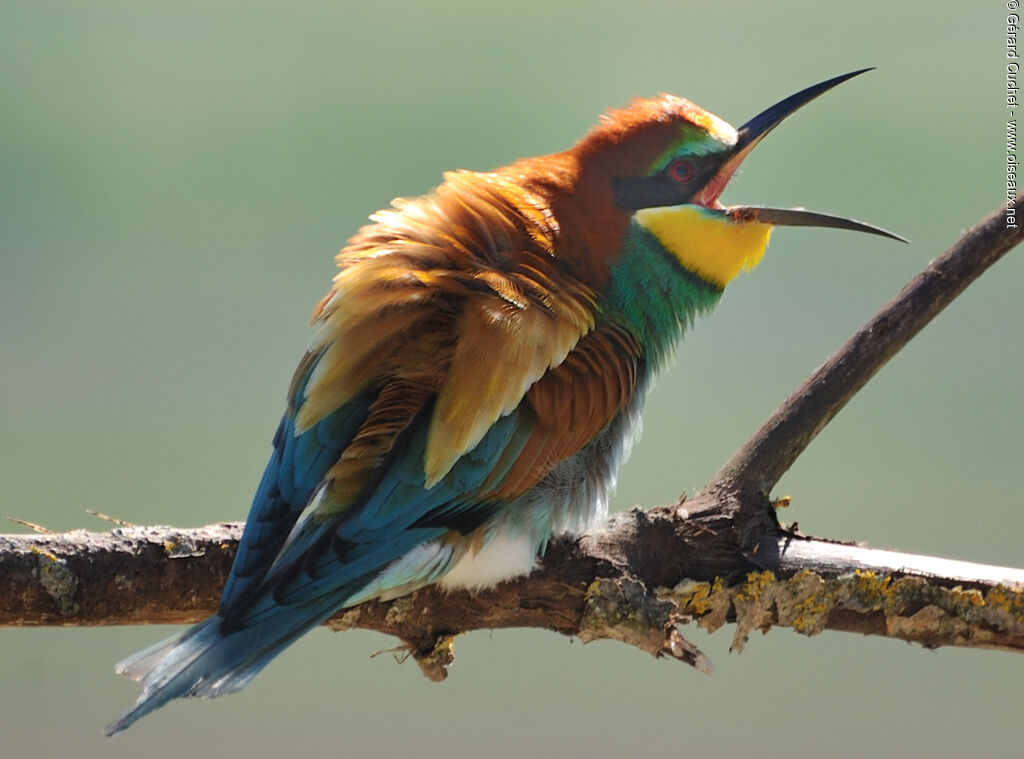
[(660, 189)]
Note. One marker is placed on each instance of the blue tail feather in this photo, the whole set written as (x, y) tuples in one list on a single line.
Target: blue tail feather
[(296, 467), (292, 571), (205, 662)]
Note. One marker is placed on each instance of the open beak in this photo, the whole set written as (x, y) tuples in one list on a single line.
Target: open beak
[(749, 135)]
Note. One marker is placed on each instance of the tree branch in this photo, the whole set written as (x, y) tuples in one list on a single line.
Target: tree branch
[(766, 456), (613, 584), (722, 557)]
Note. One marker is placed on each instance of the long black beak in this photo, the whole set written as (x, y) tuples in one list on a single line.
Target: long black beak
[(755, 130), (751, 133)]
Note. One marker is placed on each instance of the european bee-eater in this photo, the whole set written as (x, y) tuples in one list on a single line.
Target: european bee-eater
[(476, 376)]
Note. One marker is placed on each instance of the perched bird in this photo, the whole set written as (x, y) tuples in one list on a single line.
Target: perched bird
[(476, 376)]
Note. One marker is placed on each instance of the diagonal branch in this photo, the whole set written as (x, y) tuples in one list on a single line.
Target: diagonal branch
[(766, 456), (722, 557)]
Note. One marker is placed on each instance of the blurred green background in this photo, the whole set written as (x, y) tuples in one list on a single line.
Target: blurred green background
[(175, 178)]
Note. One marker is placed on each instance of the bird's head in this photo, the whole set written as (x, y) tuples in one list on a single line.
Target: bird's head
[(668, 162)]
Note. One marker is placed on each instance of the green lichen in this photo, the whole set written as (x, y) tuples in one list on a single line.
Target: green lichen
[(1010, 601), (608, 605), (967, 598), (58, 581), (871, 592), (623, 610), (804, 603)]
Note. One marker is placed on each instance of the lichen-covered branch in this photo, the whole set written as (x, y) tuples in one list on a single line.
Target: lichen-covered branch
[(721, 557), (613, 584), (129, 576)]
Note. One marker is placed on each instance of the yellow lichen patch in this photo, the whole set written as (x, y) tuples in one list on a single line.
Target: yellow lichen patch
[(804, 603), (754, 603), (693, 596), (718, 605), (709, 603), (1008, 600), (46, 554), (870, 590), (182, 549), (970, 597), (915, 609), (811, 615), (756, 584)]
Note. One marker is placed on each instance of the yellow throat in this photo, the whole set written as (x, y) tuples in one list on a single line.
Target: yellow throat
[(706, 241)]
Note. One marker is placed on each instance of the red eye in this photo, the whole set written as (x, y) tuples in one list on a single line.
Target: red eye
[(680, 171)]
